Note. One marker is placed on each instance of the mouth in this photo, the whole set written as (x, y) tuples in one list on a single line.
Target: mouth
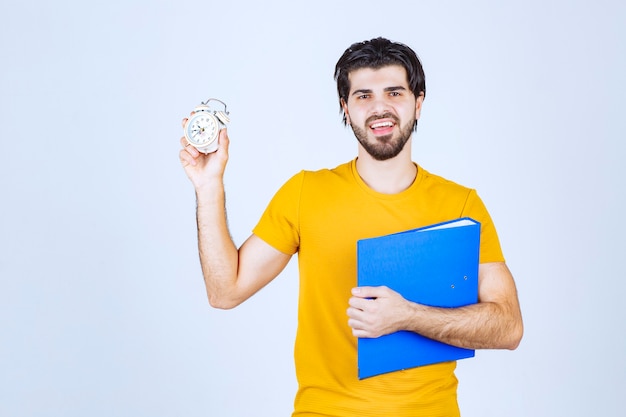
[(382, 127)]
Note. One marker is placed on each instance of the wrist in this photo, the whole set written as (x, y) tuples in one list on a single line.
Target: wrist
[(412, 316), (209, 191)]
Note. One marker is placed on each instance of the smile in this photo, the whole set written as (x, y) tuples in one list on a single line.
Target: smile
[(381, 125)]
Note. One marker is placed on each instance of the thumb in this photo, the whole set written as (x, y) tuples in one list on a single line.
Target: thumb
[(223, 140)]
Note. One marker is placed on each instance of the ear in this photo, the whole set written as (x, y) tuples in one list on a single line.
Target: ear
[(344, 106), (418, 105)]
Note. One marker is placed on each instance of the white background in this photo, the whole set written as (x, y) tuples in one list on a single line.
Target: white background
[(102, 305)]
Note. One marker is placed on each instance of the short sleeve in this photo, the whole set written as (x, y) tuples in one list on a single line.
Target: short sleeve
[(490, 250), (279, 224)]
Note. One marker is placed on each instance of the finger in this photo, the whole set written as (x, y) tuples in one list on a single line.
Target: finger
[(223, 142), (356, 323), (359, 303), (186, 158), (368, 292), (189, 153), (363, 334), (354, 313), (359, 329), (189, 147), (223, 139)]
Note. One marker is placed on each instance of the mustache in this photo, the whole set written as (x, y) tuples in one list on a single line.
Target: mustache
[(375, 117)]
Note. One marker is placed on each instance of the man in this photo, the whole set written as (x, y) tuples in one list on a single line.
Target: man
[(322, 214)]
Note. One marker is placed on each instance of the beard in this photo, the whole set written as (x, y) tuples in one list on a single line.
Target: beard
[(385, 147)]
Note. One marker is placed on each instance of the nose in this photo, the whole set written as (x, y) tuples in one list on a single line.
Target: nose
[(380, 105)]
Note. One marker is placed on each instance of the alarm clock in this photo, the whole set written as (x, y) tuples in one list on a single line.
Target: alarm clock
[(203, 127)]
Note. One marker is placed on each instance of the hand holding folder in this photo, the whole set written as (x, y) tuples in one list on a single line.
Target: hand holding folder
[(435, 265)]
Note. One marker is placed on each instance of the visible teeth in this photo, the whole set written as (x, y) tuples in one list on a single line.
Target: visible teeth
[(382, 124)]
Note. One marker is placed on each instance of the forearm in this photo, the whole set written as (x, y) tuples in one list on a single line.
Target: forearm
[(495, 322), (218, 254), (485, 325)]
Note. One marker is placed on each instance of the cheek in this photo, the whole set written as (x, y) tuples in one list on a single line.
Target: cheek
[(355, 115)]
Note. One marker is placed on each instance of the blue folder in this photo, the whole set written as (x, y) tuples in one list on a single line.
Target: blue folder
[(435, 265)]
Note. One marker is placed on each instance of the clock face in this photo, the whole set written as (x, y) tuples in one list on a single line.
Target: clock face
[(202, 129)]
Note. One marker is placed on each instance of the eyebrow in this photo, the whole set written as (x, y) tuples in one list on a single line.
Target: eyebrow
[(386, 89)]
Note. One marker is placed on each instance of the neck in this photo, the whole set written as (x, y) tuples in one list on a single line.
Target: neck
[(388, 177)]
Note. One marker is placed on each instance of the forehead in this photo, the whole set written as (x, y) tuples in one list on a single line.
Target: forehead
[(371, 79)]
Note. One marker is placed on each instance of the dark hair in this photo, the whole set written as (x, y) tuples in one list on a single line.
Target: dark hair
[(377, 53)]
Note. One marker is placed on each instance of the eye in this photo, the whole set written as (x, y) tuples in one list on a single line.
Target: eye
[(395, 94), (363, 96)]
